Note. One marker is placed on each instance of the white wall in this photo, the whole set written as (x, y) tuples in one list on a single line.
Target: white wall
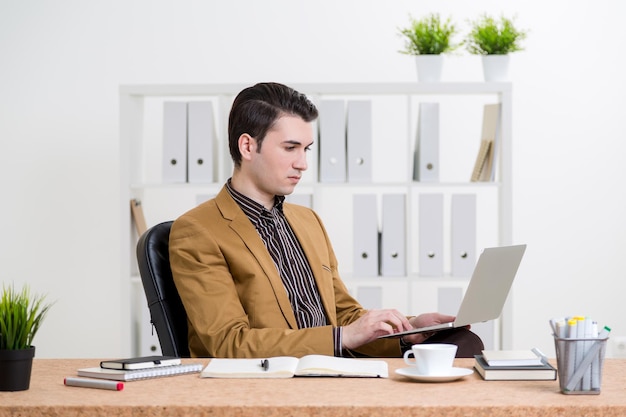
[(62, 62)]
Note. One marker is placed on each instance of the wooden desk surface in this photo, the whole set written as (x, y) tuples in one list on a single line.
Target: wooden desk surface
[(320, 397)]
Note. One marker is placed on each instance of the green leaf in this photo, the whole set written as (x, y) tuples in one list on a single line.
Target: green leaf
[(489, 36), (21, 315), (429, 36)]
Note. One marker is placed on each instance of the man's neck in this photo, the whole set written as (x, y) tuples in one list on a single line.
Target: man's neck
[(246, 187)]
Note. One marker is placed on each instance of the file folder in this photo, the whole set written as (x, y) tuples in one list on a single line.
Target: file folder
[(463, 231), (332, 141), (365, 235), (393, 236), (148, 340), (430, 235), (359, 141), (426, 167), (201, 142), (174, 142)]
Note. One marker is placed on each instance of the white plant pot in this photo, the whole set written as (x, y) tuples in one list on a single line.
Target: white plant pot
[(496, 67), (429, 68)]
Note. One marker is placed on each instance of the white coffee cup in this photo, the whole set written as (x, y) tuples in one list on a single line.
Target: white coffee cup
[(432, 358)]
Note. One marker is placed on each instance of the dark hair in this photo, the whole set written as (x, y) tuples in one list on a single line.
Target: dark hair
[(256, 109)]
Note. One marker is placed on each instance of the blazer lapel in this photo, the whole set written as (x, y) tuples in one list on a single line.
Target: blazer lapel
[(241, 225)]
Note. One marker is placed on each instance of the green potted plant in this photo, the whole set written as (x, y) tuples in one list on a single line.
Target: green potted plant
[(428, 39), (21, 315), (494, 39)]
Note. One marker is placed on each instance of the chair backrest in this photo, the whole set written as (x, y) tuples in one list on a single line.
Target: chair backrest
[(167, 312)]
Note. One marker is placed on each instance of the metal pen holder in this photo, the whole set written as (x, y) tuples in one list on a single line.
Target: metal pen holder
[(579, 364)]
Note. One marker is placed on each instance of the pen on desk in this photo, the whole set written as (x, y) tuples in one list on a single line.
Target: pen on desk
[(93, 383), (265, 364)]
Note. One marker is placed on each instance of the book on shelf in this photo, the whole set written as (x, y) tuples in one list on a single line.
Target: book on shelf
[(526, 357), (484, 153), (543, 372), (135, 374), (142, 362), (288, 367), (485, 165), (136, 210)]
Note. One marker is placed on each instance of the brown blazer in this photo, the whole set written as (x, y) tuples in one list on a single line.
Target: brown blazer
[(235, 300)]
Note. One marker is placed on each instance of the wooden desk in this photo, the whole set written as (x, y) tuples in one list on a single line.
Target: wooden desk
[(321, 397)]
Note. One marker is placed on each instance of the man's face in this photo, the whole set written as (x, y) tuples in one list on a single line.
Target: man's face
[(279, 165)]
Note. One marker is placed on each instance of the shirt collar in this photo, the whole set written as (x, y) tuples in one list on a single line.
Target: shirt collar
[(251, 208)]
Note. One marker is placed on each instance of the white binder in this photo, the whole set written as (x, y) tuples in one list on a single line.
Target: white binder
[(174, 142), (365, 235), (431, 235), (201, 142), (359, 141), (463, 231), (332, 141), (393, 236), (426, 159), (148, 340)]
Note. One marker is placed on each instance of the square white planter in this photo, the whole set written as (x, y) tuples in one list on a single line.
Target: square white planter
[(496, 67), (429, 68)]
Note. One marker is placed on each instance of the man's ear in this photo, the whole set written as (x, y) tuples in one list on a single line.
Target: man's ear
[(247, 146)]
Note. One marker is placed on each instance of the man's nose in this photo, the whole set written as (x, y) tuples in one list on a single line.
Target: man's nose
[(301, 163)]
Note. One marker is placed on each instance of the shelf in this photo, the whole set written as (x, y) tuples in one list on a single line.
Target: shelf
[(393, 146)]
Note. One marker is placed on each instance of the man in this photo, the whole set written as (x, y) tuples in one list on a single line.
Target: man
[(258, 277)]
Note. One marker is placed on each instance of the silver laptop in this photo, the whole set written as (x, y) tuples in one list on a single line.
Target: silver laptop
[(487, 291)]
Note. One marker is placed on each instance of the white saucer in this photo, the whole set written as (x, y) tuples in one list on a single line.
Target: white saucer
[(455, 373)]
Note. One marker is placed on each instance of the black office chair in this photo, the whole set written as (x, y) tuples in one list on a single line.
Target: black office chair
[(167, 313)]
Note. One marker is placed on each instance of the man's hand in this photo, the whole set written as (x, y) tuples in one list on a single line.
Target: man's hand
[(424, 320), (373, 324)]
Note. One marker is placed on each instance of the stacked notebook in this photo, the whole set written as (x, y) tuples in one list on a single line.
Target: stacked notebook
[(140, 368), (510, 365)]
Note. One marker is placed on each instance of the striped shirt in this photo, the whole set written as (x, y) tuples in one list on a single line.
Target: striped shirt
[(290, 261)]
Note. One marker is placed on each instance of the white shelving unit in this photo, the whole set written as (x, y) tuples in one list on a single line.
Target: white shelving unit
[(394, 110)]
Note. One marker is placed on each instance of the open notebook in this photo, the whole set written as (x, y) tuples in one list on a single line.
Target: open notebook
[(287, 367), (487, 291)]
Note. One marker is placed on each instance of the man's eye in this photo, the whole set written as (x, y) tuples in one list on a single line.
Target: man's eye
[(307, 149)]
